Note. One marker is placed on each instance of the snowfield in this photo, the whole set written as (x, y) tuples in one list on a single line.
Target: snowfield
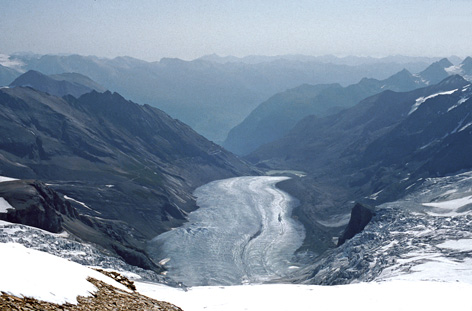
[(385, 296), (31, 273)]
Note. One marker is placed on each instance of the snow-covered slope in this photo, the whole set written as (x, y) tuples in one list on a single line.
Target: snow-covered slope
[(62, 246), (30, 273), (385, 296)]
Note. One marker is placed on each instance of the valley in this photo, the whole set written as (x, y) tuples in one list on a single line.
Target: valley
[(103, 181)]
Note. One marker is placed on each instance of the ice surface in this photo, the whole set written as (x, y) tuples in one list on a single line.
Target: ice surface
[(31, 273), (464, 245), (4, 205), (242, 233), (450, 207), (431, 267)]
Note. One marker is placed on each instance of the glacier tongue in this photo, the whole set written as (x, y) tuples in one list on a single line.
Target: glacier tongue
[(242, 233)]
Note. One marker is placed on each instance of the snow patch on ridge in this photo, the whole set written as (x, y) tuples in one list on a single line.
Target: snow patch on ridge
[(4, 178), (80, 203), (460, 102), (454, 70), (386, 296), (4, 206), (421, 100), (6, 61)]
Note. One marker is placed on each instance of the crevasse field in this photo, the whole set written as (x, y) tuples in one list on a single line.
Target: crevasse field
[(242, 233)]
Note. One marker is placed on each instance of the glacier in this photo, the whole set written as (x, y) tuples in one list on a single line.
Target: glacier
[(242, 233)]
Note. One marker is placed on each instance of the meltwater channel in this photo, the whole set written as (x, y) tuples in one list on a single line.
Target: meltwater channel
[(242, 233)]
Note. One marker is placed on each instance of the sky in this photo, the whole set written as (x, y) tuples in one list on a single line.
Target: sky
[(188, 29)]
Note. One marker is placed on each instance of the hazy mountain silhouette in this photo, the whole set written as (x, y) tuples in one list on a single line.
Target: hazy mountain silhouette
[(211, 97), (275, 117)]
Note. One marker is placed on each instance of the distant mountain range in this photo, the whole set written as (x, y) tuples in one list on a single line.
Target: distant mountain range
[(273, 118), (346, 60), (128, 169), (211, 96)]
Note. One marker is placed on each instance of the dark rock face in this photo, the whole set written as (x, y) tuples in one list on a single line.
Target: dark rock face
[(360, 217), (35, 205)]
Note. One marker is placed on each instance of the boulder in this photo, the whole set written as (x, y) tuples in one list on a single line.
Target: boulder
[(360, 217)]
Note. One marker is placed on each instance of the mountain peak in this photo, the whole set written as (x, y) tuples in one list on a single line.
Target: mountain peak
[(466, 65), (59, 85), (445, 63), (30, 74), (467, 60), (401, 74), (436, 72)]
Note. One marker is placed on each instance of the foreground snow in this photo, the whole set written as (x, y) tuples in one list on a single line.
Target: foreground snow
[(27, 272), (30, 273), (395, 295)]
